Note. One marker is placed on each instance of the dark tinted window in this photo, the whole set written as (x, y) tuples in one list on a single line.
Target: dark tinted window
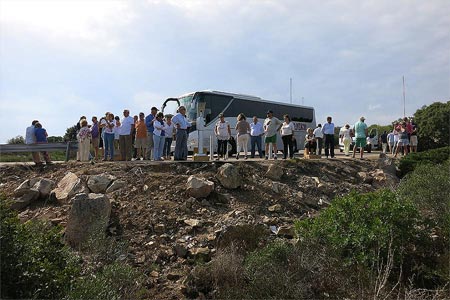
[(252, 108), (213, 105)]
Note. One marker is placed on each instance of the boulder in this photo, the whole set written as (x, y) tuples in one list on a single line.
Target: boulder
[(67, 187), (25, 200), (229, 176), (278, 187), (275, 172), (44, 186), (116, 185), (89, 215), (365, 177), (199, 187), (387, 164), (99, 183), (25, 186)]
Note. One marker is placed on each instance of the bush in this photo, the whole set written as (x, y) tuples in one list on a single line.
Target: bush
[(409, 162), (428, 188), (34, 261), (357, 226), (115, 281)]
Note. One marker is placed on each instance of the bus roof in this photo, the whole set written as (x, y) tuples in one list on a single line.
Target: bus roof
[(243, 96)]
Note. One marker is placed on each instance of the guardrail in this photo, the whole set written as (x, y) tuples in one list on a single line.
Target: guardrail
[(50, 147)]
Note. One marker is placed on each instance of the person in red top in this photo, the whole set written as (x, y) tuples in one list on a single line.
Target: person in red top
[(141, 137)]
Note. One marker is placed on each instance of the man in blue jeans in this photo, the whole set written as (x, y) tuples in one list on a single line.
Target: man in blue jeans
[(328, 132), (256, 134)]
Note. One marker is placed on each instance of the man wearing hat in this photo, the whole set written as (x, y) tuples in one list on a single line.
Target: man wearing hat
[(360, 136), (149, 123), (271, 127)]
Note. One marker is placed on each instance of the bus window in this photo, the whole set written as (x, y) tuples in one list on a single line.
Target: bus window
[(213, 105)]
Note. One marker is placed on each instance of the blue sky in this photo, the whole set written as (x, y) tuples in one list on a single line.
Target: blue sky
[(63, 59)]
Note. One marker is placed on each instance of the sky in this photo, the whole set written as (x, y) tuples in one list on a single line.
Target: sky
[(61, 59)]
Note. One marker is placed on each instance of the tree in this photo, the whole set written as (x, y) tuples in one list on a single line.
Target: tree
[(55, 139), (16, 140), (433, 124), (71, 133)]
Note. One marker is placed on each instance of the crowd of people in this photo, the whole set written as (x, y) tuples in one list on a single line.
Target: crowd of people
[(150, 137)]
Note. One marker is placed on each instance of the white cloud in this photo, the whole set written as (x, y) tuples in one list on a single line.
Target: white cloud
[(87, 25)]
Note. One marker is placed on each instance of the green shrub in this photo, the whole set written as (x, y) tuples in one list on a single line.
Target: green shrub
[(115, 281), (34, 261), (428, 188), (409, 162), (359, 227)]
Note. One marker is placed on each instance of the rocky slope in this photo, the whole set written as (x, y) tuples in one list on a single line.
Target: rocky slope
[(167, 230)]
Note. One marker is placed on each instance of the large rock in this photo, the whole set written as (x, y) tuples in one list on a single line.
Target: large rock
[(67, 187), (275, 172), (89, 215), (387, 164), (99, 183), (25, 187), (25, 200), (116, 185), (229, 176), (44, 186), (199, 187)]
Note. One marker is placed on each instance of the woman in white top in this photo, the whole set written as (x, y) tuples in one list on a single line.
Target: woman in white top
[(346, 139), (287, 134), (84, 140), (170, 132), (159, 135), (222, 131), (108, 125)]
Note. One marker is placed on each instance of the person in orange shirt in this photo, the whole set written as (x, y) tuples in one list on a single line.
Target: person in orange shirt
[(141, 137)]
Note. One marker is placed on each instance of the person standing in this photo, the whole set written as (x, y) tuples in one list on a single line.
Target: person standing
[(346, 138), (149, 123), (360, 129), (287, 134), (222, 131), (140, 142), (256, 132), (30, 138), (170, 131), (242, 130), (271, 127), (84, 140), (41, 138), (182, 124), (391, 142), (159, 135), (328, 132), (384, 141), (125, 130), (108, 124), (319, 139), (95, 136)]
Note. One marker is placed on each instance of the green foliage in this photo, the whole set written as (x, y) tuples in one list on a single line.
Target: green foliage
[(428, 187), (55, 139), (26, 156), (360, 227), (115, 281), (71, 133), (433, 123), (16, 140), (409, 162), (34, 261)]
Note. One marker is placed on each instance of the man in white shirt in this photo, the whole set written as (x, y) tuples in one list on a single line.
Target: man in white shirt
[(125, 140), (30, 138), (319, 138), (182, 124), (256, 133)]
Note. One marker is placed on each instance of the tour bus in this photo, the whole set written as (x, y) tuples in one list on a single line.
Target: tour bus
[(209, 104)]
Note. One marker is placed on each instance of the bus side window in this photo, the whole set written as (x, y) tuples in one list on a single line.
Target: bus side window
[(207, 116)]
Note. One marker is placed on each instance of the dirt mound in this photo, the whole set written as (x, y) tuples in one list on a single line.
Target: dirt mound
[(168, 231)]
